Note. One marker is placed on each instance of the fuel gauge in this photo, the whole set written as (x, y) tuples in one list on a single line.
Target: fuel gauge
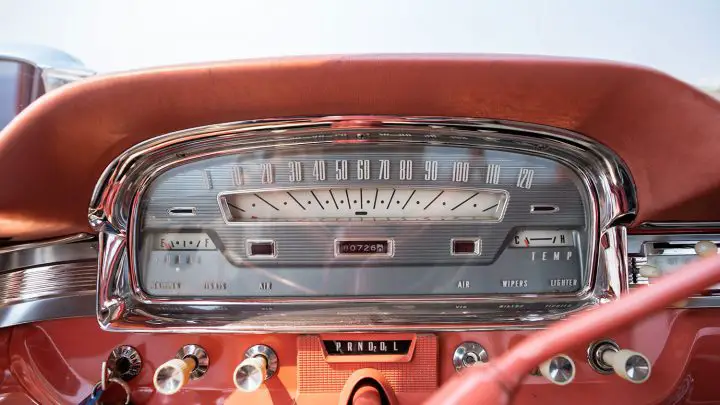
[(184, 241), (543, 238)]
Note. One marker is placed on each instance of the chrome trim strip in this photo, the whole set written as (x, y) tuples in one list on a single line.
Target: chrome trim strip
[(47, 255), (122, 305), (679, 225), (46, 242), (49, 308)]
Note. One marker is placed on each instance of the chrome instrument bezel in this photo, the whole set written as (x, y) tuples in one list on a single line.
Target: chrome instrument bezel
[(123, 306)]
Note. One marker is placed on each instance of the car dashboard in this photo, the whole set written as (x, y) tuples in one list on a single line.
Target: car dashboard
[(328, 221)]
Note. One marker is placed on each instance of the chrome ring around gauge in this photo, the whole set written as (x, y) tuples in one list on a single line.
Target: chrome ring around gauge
[(442, 220)]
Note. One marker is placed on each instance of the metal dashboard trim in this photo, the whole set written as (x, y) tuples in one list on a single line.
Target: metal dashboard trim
[(122, 305)]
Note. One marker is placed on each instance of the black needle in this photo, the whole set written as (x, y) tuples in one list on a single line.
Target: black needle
[(265, 201), (408, 200), (293, 197), (348, 198), (466, 200), (433, 200), (390, 200), (361, 202), (333, 198), (236, 207), (375, 202), (316, 199), (489, 208)]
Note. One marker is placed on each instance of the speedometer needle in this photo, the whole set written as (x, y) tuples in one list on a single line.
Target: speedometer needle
[(527, 242)]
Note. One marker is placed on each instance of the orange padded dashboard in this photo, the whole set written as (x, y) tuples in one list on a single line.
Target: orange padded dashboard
[(666, 131)]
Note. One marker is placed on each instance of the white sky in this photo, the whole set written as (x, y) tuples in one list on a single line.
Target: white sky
[(681, 37)]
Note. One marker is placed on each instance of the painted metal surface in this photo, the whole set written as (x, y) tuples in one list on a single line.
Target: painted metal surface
[(59, 362)]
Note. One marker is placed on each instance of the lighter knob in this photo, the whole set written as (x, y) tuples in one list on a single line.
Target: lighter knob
[(172, 375), (251, 373), (628, 364), (559, 370)]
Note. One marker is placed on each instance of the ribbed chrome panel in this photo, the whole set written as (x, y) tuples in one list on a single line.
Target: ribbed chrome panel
[(44, 281), (48, 281)]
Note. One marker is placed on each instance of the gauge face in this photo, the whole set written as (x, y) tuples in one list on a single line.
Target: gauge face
[(543, 238), (375, 219), (384, 204)]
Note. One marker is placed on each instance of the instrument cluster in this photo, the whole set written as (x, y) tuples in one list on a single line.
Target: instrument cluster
[(390, 224), (386, 220)]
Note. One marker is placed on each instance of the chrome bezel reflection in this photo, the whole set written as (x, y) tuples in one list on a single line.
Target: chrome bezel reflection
[(115, 208)]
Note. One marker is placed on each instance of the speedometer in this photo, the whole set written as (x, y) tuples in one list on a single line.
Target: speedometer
[(384, 204)]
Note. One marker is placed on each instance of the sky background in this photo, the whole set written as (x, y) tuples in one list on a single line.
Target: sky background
[(680, 37)]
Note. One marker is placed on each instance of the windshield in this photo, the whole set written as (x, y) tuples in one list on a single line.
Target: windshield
[(677, 37)]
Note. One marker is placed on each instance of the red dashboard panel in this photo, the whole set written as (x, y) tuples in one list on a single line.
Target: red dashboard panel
[(56, 366), (60, 145)]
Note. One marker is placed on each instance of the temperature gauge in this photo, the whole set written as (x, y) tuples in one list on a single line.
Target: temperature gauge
[(184, 241), (543, 238)]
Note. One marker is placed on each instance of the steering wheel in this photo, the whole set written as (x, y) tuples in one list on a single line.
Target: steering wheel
[(496, 381)]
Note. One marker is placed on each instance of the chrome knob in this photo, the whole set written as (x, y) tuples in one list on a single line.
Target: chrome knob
[(172, 375), (190, 363), (559, 370), (630, 365), (260, 363), (251, 374)]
